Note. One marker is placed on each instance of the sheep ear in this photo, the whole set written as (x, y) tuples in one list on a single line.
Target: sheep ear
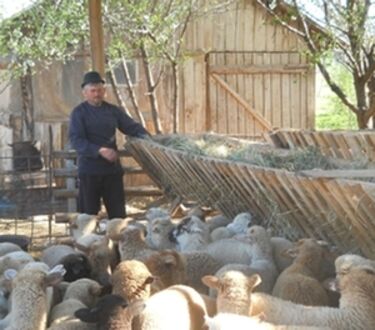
[(86, 315), (10, 274), (55, 275), (254, 280), (211, 281), (150, 279)]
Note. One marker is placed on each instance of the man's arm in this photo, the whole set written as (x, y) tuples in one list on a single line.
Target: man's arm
[(129, 126)]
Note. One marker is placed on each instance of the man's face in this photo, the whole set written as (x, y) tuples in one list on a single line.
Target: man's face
[(94, 93)]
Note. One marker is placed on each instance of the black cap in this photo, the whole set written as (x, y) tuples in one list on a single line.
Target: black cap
[(92, 77)]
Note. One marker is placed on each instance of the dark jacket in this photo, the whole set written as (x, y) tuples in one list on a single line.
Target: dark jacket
[(94, 127)]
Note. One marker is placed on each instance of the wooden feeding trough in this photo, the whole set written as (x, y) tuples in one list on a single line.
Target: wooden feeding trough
[(327, 205)]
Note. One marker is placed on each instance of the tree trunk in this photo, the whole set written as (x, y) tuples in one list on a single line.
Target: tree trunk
[(131, 92), (151, 91), (362, 119), (116, 89), (176, 98), (28, 125)]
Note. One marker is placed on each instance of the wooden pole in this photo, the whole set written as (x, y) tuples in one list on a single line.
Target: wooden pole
[(96, 36)]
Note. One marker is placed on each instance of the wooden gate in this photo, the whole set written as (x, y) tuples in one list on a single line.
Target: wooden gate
[(248, 93)]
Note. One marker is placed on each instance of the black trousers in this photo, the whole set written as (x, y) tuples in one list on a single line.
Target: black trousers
[(108, 187)]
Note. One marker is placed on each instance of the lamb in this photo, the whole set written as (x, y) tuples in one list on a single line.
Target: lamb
[(29, 302), (169, 267), (356, 310), (158, 232), (229, 250), (238, 226), (298, 283), (262, 262), (234, 290), (199, 264), (103, 257), (84, 290), (15, 260), (185, 311), (76, 264), (114, 227), (6, 247), (226, 321), (217, 221), (82, 225), (132, 280), (279, 246), (191, 234), (64, 311), (132, 244)]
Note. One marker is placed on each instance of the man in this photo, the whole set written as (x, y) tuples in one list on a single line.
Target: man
[(92, 132)]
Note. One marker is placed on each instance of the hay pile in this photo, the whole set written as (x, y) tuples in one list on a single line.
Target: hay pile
[(259, 154)]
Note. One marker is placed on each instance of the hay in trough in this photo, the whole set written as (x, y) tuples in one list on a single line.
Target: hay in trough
[(259, 154)]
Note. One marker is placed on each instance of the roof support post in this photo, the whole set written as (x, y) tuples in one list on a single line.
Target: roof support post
[(96, 35)]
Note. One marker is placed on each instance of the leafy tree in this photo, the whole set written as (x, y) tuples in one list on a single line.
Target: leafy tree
[(348, 32), (48, 31), (154, 31)]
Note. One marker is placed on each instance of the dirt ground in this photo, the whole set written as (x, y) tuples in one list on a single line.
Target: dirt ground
[(42, 230)]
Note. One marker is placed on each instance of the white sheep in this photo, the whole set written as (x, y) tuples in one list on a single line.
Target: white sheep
[(177, 307), (233, 291), (132, 244), (238, 226), (158, 231), (191, 234), (15, 260), (217, 221), (84, 290), (64, 311), (227, 321), (199, 264), (262, 261), (29, 301), (6, 247), (82, 225), (230, 250)]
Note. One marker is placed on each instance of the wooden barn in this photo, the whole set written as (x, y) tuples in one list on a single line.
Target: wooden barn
[(243, 75), (246, 74)]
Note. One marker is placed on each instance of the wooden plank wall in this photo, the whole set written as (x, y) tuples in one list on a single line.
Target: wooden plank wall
[(338, 211), (244, 35), (348, 145)]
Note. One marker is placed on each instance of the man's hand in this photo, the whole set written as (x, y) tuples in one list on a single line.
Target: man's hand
[(109, 154)]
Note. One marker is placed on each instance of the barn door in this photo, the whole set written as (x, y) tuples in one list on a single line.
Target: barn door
[(250, 92)]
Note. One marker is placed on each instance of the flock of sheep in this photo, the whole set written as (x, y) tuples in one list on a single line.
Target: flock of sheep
[(215, 273)]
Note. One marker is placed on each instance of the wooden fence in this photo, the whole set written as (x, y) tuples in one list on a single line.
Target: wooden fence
[(349, 145), (340, 211)]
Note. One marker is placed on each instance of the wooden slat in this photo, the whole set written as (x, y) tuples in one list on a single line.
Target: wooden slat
[(339, 173), (129, 191), (263, 122), (258, 69), (338, 211)]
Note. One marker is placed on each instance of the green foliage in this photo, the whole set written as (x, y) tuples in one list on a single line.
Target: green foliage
[(334, 114), (50, 30)]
